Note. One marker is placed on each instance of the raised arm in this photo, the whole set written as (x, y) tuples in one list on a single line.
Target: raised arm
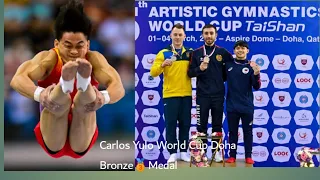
[(106, 75), (32, 70)]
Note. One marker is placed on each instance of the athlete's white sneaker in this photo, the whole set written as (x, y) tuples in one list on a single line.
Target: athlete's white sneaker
[(172, 158), (218, 157)]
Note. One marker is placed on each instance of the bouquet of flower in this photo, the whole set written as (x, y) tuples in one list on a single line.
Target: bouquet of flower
[(198, 155), (305, 156)]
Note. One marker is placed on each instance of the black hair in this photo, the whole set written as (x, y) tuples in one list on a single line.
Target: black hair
[(209, 26), (178, 26), (72, 18), (241, 43)]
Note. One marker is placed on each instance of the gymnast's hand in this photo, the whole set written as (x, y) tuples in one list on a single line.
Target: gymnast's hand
[(46, 102), (97, 104)]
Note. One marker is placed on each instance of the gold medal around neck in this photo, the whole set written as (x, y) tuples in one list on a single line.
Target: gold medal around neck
[(206, 59)]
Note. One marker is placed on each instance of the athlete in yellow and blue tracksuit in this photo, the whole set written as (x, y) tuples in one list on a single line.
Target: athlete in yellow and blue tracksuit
[(177, 93)]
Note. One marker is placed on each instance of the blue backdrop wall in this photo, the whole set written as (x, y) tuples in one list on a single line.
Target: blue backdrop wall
[(283, 39)]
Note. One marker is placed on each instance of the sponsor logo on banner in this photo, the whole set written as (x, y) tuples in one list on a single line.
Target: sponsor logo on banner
[(261, 60), (136, 133), (240, 135), (194, 98), (136, 79), (318, 62), (260, 153), (281, 80), (303, 117), (281, 117), (151, 153), (194, 116), (260, 135), (136, 61), (260, 98), (150, 98), (194, 82), (264, 80), (150, 134), (240, 152), (318, 118), (260, 117), (147, 61), (149, 81), (303, 62), (136, 98), (281, 62), (281, 154), (303, 81), (318, 81), (136, 115), (150, 116), (136, 30), (303, 99), (318, 99), (303, 136), (281, 99), (281, 135)]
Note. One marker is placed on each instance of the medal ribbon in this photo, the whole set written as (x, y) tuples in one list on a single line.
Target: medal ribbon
[(205, 52), (174, 50)]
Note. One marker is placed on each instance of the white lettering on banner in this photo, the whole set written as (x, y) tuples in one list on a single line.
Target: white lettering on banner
[(229, 12), (292, 39), (271, 26), (274, 26), (313, 39), (156, 26), (187, 11), (234, 11)]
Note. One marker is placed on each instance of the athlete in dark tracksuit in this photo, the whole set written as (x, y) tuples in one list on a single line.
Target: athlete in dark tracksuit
[(240, 81), (210, 89)]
